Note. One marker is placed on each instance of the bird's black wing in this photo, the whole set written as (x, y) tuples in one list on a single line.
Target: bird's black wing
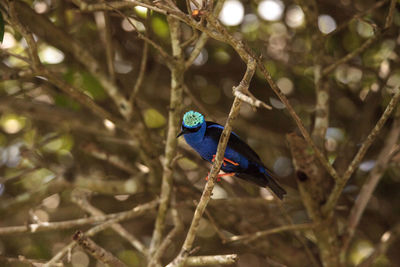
[(214, 130)]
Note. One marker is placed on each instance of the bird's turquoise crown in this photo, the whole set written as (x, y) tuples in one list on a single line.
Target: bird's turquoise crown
[(192, 119)]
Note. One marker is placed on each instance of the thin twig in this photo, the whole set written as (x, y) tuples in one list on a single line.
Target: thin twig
[(49, 226), (351, 55), (167, 58), (103, 23), (214, 225), (90, 232), (252, 101), (201, 42), (259, 234), (6, 52), (142, 70), (81, 200), (114, 159), (96, 251), (23, 259), (389, 18)]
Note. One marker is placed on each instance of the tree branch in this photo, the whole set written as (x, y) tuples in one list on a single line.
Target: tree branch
[(49, 226), (174, 117), (205, 197), (96, 251)]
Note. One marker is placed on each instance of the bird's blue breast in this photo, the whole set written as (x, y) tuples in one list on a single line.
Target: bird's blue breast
[(207, 148)]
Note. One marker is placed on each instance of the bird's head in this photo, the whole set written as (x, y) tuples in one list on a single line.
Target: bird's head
[(192, 123)]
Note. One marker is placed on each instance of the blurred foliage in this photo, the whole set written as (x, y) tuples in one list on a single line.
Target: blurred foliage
[(47, 142)]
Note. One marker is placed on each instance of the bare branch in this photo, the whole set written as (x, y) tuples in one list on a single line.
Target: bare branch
[(205, 197), (259, 234), (177, 83), (95, 250), (81, 200), (212, 260), (48, 226), (140, 77), (90, 232)]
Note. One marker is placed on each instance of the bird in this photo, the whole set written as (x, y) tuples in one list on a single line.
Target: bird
[(240, 160)]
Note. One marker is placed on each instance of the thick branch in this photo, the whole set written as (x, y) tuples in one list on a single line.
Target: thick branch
[(176, 99), (205, 197)]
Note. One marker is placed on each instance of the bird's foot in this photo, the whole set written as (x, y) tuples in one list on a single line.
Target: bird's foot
[(226, 160), (222, 175)]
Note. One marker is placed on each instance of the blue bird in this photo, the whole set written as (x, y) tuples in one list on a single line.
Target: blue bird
[(239, 159)]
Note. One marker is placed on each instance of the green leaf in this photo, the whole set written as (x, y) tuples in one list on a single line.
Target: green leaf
[(1, 27), (153, 118), (87, 82), (160, 27)]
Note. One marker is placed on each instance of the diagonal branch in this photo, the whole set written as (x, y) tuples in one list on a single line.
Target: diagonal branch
[(207, 191), (96, 251), (79, 198)]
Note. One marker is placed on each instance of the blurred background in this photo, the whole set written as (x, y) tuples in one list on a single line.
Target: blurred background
[(51, 145)]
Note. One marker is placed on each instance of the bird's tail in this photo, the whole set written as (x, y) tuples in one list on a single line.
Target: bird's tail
[(275, 187), (266, 179)]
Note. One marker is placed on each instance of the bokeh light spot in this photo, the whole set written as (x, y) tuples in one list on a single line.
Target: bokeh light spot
[(130, 25), (286, 85), (270, 10), (40, 7), (11, 123), (326, 24), (232, 13), (367, 165), (294, 16), (51, 55), (8, 41), (109, 125), (276, 103), (365, 29), (141, 11)]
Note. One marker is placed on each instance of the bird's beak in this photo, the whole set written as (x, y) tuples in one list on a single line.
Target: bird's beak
[(181, 133)]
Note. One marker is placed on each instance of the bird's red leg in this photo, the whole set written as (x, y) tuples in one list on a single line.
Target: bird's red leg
[(227, 160), (231, 162)]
